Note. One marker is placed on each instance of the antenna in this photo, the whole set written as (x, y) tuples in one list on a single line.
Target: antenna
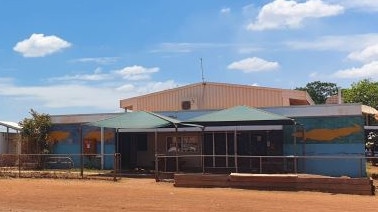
[(203, 78)]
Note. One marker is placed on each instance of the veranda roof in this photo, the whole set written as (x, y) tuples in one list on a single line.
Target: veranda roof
[(241, 115), (11, 125), (140, 120)]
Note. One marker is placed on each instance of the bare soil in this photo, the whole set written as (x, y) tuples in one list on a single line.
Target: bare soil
[(147, 195)]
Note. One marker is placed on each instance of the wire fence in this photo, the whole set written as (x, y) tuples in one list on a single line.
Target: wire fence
[(349, 165), (108, 166), (74, 166)]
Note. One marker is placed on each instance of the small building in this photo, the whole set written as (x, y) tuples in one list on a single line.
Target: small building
[(10, 139), (315, 139)]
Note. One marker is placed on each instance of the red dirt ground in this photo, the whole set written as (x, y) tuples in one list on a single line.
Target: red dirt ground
[(147, 195)]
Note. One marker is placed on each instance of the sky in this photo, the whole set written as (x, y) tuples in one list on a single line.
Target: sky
[(74, 57)]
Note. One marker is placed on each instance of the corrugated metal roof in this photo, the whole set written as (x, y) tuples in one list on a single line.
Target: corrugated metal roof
[(133, 120), (12, 125), (241, 115), (139, 120)]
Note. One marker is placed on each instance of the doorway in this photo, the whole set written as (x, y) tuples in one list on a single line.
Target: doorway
[(128, 145)]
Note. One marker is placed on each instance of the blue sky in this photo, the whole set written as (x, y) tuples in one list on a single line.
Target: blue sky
[(70, 57)]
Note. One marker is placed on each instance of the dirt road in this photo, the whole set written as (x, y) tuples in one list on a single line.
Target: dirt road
[(147, 195)]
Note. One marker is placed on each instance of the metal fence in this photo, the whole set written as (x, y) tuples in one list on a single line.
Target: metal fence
[(76, 166), (355, 166)]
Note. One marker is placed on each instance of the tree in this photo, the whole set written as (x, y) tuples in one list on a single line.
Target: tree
[(319, 91), (364, 92), (35, 130)]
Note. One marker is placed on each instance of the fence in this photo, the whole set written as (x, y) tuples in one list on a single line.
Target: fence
[(353, 166), (60, 165)]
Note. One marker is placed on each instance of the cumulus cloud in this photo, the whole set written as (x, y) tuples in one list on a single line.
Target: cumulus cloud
[(368, 5), (131, 73), (225, 10), (39, 45), (290, 14), (136, 72), (369, 70), (368, 54), (253, 64), (73, 95), (96, 76)]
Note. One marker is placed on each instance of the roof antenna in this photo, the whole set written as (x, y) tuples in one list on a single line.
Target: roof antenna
[(203, 78)]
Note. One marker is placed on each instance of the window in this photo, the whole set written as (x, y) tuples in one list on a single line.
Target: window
[(185, 105), (182, 144)]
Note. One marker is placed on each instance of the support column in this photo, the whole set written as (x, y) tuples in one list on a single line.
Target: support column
[(236, 150), (102, 148), (156, 158)]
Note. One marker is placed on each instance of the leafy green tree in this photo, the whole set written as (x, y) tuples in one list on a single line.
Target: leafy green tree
[(364, 92), (35, 130), (319, 91)]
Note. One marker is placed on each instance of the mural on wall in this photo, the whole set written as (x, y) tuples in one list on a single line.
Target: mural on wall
[(58, 136), (328, 134), (96, 135)]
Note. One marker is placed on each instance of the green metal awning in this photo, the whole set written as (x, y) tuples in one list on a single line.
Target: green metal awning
[(140, 120), (241, 115)]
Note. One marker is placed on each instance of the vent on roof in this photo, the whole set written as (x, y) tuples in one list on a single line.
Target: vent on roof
[(185, 105)]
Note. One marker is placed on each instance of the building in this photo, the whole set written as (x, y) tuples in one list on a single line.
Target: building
[(315, 139), (217, 127), (209, 96), (10, 139)]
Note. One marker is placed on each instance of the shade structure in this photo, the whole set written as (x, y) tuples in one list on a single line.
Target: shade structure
[(140, 120), (241, 115), (12, 125)]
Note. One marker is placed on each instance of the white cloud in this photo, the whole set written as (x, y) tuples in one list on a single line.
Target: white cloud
[(248, 50), (336, 43), (136, 72), (368, 5), (225, 10), (290, 14), (190, 47), (369, 70), (98, 60), (156, 86), (72, 95), (368, 54), (314, 74), (253, 64), (96, 76), (39, 45), (132, 73)]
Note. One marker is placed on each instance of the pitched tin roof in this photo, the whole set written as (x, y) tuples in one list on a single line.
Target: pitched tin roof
[(140, 120), (240, 115)]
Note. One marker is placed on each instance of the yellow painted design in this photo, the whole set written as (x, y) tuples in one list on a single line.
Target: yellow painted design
[(328, 134), (96, 135), (58, 136)]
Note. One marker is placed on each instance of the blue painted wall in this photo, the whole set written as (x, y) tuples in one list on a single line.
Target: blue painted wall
[(324, 136), (328, 137), (67, 142)]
